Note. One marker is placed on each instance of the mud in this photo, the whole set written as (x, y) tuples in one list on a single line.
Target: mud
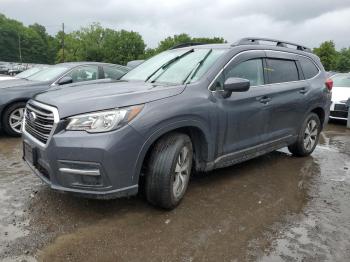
[(273, 208)]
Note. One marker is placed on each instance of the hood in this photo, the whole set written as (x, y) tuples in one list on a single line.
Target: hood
[(20, 83), (340, 94), (79, 99)]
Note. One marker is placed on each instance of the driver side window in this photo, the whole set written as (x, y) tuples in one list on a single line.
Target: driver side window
[(84, 73), (250, 69)]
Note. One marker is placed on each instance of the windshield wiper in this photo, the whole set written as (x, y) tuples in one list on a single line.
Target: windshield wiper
[(167, 64), (194, 71)]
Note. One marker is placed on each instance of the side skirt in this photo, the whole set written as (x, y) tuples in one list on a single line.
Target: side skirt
[(249, 153)]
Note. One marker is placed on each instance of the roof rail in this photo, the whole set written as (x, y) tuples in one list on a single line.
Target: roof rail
[(280, 43), (186, 44)]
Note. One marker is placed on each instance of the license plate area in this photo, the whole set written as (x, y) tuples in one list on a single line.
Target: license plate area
[(29, 153)]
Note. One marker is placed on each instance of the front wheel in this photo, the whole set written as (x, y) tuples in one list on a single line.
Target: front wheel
[(12, 119), (308, 136), (168, 170)]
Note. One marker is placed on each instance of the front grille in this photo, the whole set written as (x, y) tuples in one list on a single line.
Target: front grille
[(340, 107), (39, 122)]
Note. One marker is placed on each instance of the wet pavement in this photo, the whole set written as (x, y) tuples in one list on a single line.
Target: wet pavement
[(273, 208)]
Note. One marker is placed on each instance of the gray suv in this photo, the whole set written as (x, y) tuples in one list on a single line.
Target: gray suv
[(191, 108)]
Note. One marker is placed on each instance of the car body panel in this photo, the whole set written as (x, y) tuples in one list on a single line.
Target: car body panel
[(229, 130)]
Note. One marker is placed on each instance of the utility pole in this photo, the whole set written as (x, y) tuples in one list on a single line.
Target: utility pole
[(19, 47), (63, 42)]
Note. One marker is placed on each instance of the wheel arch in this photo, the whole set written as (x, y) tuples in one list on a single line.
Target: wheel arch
[(319, 111), (10, 103), (198, 134)]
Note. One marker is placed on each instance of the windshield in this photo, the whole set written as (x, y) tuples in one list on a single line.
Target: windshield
[(48, 74), (29, 72), (341, 80), (175, 66)]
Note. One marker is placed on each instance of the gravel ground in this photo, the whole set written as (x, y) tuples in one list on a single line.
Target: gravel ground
[(273, 208)]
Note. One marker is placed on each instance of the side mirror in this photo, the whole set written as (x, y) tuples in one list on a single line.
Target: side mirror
[(234, 84), (65, 80)]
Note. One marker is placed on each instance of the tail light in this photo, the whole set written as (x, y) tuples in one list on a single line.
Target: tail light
[(329, 84)]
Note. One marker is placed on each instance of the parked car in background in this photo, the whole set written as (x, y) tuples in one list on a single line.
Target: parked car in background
[(190, 108), (14, 94), (16, 69), (134, 63), (31, 71), (4, 69), (340, 96), (331, 73)]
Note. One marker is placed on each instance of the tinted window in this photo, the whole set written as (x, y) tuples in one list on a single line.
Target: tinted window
[(280, 71), (84, 73), (114, 72), (308, 67), (250, 69)]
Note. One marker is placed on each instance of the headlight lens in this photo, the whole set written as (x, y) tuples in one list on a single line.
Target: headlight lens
[(103, 121)]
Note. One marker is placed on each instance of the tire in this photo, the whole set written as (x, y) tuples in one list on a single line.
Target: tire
[(308, 136), (12, 119), (165, 186)]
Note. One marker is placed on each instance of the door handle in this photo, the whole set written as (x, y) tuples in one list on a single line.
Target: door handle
[(303, 90), (264, 99)]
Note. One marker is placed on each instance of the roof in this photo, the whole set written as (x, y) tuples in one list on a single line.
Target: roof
[(252, 43), (74, 64)]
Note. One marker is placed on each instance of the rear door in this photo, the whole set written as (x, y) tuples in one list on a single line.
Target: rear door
[(287, 91)]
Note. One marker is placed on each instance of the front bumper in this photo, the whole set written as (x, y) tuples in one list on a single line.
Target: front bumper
[(339, 110), (93, 165)]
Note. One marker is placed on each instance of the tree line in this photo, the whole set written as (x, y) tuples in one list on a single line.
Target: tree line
[(33, 44)]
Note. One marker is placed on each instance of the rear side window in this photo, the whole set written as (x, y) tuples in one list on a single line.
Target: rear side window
[(308, 67), (280, 70)]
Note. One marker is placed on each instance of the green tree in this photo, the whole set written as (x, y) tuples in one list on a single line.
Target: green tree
[(328, 55), (343, 62), (122, 46)]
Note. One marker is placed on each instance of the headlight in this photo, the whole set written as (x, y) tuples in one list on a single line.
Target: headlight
[(103, 121)]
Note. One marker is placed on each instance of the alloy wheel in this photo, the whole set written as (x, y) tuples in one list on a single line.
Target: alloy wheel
[(15, 120), (310, 136), (182, 172)]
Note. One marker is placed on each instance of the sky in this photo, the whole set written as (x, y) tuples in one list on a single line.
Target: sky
[(302, 21)]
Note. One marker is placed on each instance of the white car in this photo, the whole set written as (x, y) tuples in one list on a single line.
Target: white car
[(340, 96), (6, 77)]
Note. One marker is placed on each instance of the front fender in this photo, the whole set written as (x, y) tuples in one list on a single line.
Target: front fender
[(188, 123)]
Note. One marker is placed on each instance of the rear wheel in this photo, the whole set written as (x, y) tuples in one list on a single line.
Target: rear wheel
[(308, 136), (169, 170), (12, 119)]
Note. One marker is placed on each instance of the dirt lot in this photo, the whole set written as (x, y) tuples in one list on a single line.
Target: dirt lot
[(274, 208)]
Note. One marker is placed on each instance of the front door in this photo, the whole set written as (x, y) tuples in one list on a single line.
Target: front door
[(244, 115)]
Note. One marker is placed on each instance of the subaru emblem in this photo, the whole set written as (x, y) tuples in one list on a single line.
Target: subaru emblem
[(32, 116)]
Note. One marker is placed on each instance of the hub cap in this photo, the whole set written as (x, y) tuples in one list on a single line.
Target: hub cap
[(15, 120), (310, 136), (182, 171)]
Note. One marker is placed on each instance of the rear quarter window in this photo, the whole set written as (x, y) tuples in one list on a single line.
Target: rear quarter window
[(281, 70), (309, 68)]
